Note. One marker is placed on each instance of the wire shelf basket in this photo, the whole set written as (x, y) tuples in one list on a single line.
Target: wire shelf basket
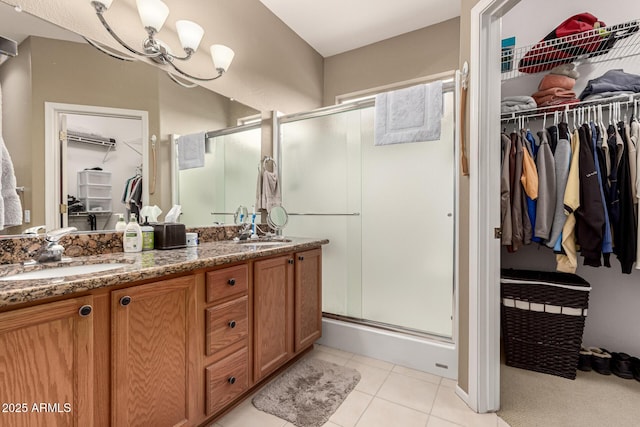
[(598, 45)]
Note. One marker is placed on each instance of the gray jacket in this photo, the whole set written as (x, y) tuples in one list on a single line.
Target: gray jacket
[(545, 208), (562, 158)]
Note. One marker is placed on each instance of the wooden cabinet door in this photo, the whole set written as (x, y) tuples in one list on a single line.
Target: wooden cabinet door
[(154, 334), (308, 290), (46, 365), (273, 318)]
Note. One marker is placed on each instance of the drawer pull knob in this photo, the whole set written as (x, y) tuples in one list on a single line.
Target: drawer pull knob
[(232, 380), (301, 258), (125, 300), (231, 282), (291, 261), (85, 310), (232, 324)]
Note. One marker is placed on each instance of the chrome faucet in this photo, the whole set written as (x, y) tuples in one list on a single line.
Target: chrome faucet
[(51, 250)]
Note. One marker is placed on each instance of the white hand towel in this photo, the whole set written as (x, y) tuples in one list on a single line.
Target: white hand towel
[(409, 115), (191, 151), (10, 205)]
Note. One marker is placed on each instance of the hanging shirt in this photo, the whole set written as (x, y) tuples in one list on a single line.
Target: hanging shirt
[(562, 164), (625, 231), (567, 262), (590, 220), (546, 202), (607, 244)]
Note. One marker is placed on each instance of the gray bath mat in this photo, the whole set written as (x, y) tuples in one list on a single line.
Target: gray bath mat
[(308, 393)]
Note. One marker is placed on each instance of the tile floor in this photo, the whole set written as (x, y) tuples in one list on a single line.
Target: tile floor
[(387, 395)]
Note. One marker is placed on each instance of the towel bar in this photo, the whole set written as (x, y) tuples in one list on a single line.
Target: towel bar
[(327, 214)]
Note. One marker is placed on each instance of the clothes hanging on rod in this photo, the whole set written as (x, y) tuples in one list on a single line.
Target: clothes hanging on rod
[(587, 189), (132, 195)]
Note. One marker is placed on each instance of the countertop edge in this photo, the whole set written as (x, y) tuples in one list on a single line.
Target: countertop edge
[(143, 266)]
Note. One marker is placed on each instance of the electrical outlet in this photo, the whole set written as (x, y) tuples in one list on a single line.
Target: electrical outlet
[(27, 216)]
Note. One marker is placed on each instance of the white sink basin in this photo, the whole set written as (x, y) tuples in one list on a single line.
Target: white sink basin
[(69, 270)]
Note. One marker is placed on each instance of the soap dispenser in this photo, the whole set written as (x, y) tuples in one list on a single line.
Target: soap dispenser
[(121, 224), (132, 238)]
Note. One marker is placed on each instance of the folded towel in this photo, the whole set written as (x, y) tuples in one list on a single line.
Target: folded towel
[(10, 205), (612, 81), (568, 70), (409, 115), (556, 80), (517, 100), (191, 151), (518, 107), (512, 104), (551, 94)]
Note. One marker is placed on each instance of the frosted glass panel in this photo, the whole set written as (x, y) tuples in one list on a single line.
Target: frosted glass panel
[(320, 173), (408, 229), (227, 179), (393, 263)]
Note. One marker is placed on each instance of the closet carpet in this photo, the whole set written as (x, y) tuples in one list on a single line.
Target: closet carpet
[(533, 399)]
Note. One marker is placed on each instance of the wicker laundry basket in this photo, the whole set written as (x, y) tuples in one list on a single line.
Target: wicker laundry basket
[(543, 316)]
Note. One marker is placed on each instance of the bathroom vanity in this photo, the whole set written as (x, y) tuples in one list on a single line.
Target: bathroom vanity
[(172, 338)]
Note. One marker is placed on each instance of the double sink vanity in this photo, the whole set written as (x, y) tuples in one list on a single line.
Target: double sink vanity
[(157, 338)]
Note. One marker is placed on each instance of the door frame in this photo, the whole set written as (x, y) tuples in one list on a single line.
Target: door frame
[(52, 150), (484, 247)]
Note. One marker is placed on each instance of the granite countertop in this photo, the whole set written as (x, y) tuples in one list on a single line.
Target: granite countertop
[(140, 266)]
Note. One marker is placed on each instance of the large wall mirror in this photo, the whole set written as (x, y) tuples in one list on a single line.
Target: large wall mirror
[(58, 69)]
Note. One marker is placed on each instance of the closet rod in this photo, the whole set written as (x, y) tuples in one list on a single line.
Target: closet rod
[(540, 112)]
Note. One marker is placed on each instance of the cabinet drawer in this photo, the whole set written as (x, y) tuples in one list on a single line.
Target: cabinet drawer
[(227, 282), (226, 324), (226, 379)]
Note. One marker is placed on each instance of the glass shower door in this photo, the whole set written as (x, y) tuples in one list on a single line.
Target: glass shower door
[(388, 212)]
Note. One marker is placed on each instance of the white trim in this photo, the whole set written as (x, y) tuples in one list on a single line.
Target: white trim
[(484, 249), (371, 92), (462, 395), (52, 110), (173, 160)]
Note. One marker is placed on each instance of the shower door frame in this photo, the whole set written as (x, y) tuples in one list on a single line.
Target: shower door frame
[(442, 359)]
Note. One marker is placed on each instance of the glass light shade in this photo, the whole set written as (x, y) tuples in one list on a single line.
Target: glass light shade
[(152, 13), (105, 3), (221, 56), (190, 34)]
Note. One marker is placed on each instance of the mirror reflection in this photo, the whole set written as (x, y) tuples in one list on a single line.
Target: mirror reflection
[(58, 67), (230, 171), (277, 218)]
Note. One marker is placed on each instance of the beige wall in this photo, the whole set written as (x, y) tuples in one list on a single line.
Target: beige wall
[(420, 53), (273, 68), (463, 332)]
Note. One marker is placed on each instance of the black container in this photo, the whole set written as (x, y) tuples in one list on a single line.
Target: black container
[(169, 236), (543, 315)]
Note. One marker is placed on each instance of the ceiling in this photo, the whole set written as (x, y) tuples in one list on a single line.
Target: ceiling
[(329, 26), (336, 26)]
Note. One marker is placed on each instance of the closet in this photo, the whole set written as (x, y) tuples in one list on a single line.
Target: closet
[(615, 296)]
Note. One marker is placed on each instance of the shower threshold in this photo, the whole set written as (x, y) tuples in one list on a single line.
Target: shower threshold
[(400, 346), (389, 327)]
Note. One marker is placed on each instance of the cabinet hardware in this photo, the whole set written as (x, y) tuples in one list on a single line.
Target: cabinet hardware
[(85, 310), (497, 233), (300, 258), (232, 380), (125, 300), (291, 261), (231, 282), (232, 324)]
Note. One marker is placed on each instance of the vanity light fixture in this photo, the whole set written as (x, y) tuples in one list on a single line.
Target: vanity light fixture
[(153, 14)]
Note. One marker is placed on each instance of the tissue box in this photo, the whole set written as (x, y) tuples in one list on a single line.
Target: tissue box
[(169, 236)]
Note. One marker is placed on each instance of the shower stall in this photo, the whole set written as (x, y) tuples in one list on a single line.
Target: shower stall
[(389, 213)]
